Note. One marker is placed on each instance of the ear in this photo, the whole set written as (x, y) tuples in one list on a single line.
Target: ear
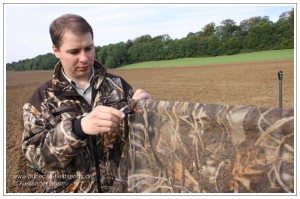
[(56, 52)]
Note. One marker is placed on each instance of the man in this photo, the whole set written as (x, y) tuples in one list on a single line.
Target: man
[(74, 126)]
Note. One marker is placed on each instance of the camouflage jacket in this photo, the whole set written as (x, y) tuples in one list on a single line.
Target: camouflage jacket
[(53, 137)]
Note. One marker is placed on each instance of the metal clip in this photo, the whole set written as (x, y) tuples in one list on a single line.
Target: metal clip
[(128, 109)]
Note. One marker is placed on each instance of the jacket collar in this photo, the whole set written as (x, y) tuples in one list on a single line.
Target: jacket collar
[(62, 85)]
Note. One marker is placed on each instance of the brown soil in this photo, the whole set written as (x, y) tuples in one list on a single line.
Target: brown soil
[(254, 84)]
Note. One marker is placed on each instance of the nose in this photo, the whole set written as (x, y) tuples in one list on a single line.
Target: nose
[(83, 57)]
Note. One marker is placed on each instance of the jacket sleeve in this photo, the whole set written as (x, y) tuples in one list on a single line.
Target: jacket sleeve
[(127, 88), (46, 143)]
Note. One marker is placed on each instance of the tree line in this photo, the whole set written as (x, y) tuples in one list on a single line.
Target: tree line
[(228, 38)]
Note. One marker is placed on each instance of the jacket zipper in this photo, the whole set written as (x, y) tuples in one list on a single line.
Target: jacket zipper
[(96, 156), (95, 149)]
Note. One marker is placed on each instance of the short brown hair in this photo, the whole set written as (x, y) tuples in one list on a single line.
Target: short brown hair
[(68, 22)]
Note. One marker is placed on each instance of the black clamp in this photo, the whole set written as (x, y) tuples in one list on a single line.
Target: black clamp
[(280, 75), (129, 109)]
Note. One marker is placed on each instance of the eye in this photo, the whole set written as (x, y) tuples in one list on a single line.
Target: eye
[(74, 52), (89, 48)]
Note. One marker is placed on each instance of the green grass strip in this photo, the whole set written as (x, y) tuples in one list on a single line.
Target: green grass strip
[(239, 58)]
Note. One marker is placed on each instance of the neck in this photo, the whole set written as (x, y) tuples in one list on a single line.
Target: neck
[(81, 82)]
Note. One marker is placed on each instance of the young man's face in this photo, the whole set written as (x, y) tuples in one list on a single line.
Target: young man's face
[(77, 54)]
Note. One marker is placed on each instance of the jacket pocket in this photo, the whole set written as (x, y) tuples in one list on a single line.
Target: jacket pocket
[(64, 110)]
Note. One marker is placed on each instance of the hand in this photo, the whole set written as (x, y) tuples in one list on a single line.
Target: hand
[(101, 120), (140, 94)]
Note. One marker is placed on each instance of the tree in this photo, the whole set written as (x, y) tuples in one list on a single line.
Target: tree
[(261, 35), (209, 29), (142, 39), (284, 31), (228, 28), (27, 65), (214, 45), (111, 62)]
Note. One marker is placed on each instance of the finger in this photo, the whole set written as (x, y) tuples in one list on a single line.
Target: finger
[(108, 124), (108, 117), (138, 92), (104, 129), (142, 96), (145, 96), (110, 110)]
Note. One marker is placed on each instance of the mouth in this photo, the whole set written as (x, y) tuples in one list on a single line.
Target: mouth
[(83, 68)]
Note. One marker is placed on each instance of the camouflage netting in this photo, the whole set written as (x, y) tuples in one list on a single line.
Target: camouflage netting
[(206, 148)]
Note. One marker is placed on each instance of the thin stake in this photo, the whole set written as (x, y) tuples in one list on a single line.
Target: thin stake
[(280, 76)]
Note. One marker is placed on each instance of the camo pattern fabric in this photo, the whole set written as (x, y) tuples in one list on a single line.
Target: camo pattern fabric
[(49, 141), (205, 148)]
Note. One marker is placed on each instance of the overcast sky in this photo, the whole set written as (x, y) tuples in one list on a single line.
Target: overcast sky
[(26, 26)]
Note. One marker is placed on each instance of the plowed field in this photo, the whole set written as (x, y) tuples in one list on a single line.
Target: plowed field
[(254, 84)]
